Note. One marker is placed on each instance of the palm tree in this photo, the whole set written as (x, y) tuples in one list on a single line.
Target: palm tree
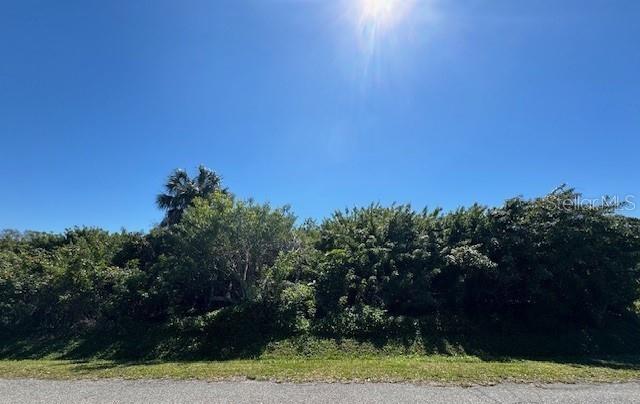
[(181, 190)]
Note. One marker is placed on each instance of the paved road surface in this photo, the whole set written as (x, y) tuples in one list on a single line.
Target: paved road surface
[(168, 391)]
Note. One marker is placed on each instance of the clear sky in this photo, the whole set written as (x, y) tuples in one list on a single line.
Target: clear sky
[(318, 104)]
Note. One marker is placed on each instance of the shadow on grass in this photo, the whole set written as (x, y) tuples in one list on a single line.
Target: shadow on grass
[(616, 346), (143, 342)]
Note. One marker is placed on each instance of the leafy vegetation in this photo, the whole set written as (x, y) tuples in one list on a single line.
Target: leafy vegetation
[(227, 278)]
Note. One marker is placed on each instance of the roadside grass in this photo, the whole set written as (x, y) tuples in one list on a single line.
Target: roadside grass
[(612, 355), (437, 369)]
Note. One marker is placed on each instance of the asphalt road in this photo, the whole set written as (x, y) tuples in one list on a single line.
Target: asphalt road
[(170, 391)]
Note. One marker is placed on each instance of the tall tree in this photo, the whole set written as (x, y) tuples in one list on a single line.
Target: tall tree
[(181, 190), (219, 252)]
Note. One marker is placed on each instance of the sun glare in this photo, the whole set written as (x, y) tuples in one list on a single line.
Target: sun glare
[(377, 20), (382, 14)]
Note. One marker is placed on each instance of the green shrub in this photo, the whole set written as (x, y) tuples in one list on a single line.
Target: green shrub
[(228, 276)]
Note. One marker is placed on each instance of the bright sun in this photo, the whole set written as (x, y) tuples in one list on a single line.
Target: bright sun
[(382, 14), (379, 25)]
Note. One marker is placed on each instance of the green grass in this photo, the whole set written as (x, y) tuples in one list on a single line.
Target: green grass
[(612, 355), (422, 369)]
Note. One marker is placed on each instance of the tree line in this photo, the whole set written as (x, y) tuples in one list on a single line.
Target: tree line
[(216, 261)]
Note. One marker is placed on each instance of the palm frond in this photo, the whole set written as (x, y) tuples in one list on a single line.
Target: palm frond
[(164, 201)]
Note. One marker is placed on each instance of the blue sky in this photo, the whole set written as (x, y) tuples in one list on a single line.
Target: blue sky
[(316, 104)]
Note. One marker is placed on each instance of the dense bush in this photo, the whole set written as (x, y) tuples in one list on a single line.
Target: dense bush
[(68, 280), (216, 255), (218, 267), (545, 262)]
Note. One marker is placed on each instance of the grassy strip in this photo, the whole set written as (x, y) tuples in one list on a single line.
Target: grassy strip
[(431, 369)]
